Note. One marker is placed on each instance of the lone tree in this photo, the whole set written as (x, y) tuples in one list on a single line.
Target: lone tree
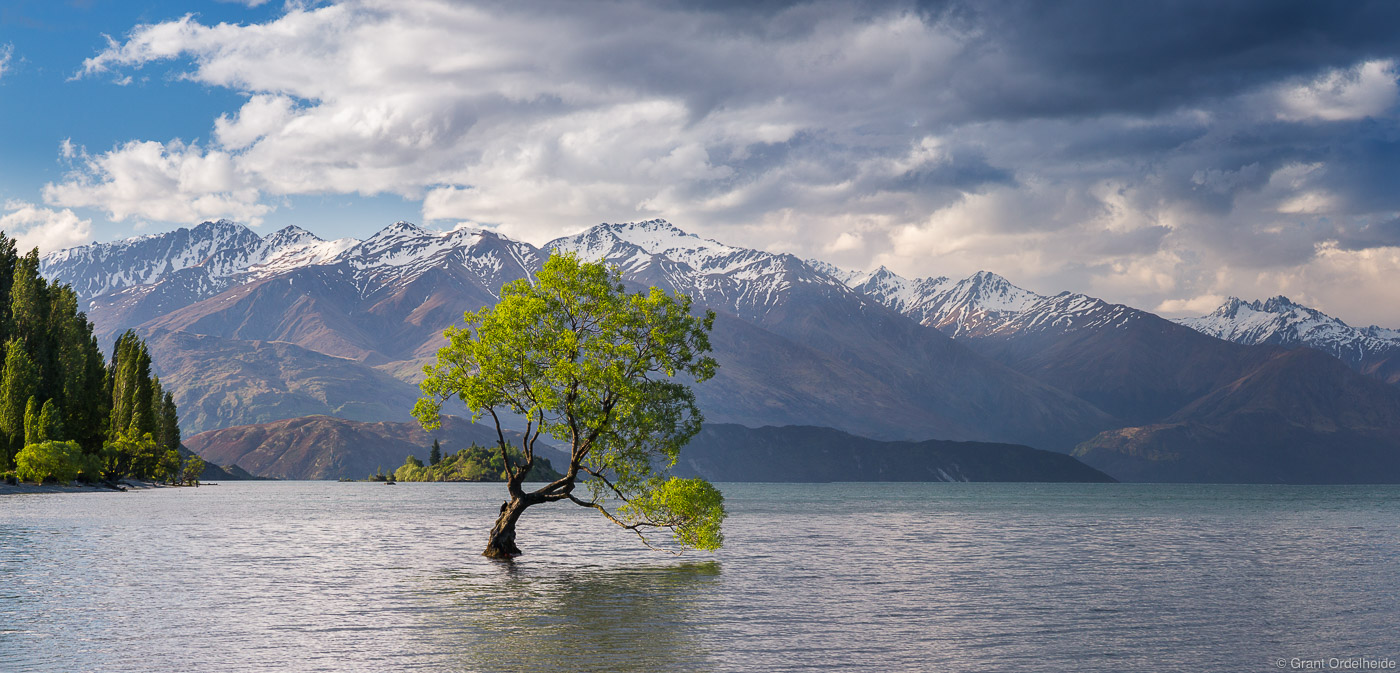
[(583, 361)]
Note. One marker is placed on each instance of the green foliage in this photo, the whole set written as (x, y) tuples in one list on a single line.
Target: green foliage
[(435, 456), (167, 468), (473, 463), (58, 461), (51, 356), (92, 467), (591, 365), (132, 393), (133, 453), (41, 424), (194, 466), (692, 508), (31, 422), (18, 383), (50, 424)]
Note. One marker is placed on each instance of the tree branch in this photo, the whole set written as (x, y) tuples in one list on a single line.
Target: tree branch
[(634, 527)]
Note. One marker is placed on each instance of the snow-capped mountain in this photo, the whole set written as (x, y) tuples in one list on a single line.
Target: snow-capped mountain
[(1282, 322), (748, 282), (984, 305), (204, 260), (99, 268), (978, 304)]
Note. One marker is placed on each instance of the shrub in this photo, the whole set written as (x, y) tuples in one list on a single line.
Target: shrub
[(48, 460)]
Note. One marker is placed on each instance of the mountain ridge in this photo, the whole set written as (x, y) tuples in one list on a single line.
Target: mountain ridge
[(802, 342)]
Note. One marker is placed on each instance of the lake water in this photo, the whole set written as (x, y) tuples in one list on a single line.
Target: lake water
[(318, 576)]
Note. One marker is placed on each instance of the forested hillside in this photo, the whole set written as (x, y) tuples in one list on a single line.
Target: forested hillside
[(64, 412)]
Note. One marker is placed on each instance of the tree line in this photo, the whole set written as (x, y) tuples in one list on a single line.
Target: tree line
[(65, 412)]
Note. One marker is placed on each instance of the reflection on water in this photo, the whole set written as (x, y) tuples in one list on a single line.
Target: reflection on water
[(517, 618), (313, 576)]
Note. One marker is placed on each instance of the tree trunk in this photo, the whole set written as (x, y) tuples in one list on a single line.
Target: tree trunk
[(501, 544)]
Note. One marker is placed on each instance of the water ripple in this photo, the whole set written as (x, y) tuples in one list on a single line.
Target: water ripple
[(315, 576)]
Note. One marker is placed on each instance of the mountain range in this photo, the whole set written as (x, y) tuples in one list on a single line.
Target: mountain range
[(251, 329)]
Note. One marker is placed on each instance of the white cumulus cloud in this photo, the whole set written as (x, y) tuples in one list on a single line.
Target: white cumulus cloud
[(32, 226), (172, 182)]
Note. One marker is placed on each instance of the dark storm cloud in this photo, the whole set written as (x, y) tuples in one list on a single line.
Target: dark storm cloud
[(1374, 235), (964, 172), (1089, 58)]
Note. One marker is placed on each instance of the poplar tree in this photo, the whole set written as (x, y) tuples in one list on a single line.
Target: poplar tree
[(18, 383), (32, 432)]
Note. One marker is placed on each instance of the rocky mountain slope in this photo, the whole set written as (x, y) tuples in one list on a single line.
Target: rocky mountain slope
[(895, 380), (224, 382)]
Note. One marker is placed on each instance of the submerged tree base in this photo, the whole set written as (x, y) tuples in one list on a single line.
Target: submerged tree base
[(501, 545), (506, 554)]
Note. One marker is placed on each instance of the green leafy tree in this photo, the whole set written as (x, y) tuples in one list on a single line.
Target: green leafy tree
[(435, 456), (583, 361), (58, 461), (133, 454), (18, 383), (168, 421), (9, 258), (167, 467), (411, 470), (132, 388), (29, 301), (32, 432), (50, 422), (194, 467)]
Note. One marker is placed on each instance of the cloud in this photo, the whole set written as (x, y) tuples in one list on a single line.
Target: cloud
[(1130, 149), (46, 229), (172, 182), (1366, 90), (7, 51)]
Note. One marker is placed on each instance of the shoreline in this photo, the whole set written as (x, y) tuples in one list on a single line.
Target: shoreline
[(120, 487)]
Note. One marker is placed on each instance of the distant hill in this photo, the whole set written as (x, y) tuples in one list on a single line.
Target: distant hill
[(726, 452), (324, 447), (1302, 417)]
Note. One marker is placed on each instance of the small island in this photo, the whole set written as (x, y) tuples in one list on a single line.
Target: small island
[(474, 463)]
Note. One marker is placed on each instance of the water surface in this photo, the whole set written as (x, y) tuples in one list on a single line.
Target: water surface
[(323, 576)]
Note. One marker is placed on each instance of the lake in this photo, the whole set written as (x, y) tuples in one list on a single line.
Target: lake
[(324, 576)]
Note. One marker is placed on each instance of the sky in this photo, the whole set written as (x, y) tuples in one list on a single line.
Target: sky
[(1161, 155)]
